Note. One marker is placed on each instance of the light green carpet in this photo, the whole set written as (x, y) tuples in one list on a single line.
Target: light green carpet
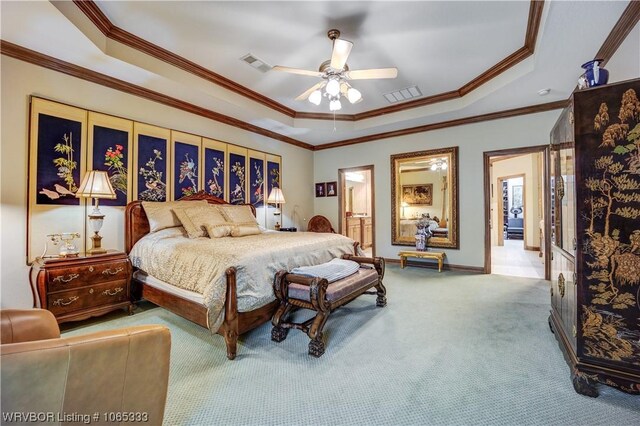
[(449, 348)]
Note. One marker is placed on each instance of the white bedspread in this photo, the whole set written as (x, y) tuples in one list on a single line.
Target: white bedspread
[(199, 264)]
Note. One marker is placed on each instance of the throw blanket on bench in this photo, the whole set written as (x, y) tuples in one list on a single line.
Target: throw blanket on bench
[(334, 270)]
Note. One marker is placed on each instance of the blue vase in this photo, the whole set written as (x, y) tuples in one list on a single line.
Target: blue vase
[(595, 75)]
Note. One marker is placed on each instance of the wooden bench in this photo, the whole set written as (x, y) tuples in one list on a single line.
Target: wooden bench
[(318, 295), (437, 255)]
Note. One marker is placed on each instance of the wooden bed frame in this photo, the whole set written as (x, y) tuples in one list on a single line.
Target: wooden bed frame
[(235, 323)]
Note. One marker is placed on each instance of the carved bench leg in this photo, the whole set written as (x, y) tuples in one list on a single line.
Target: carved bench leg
[(381, 300), (316, 347), (278, 334)]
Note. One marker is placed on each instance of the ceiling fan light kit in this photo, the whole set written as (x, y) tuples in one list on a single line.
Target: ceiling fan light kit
[(335, 73)]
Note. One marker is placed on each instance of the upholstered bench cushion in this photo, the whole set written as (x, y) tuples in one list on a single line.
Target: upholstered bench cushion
[(337, 290)]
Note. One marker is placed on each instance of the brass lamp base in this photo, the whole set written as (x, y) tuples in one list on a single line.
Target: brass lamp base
[(96, 245)]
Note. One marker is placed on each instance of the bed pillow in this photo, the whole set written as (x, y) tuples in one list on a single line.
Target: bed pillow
[(201, 220), (242, 219), (161, 215)]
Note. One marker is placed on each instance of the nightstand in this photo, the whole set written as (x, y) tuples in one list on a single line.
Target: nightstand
[(76, 288)]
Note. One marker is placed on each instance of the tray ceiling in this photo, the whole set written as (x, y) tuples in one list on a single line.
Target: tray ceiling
[(438, 46)]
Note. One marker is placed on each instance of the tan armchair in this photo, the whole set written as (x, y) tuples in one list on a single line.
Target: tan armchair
[(102, 375)]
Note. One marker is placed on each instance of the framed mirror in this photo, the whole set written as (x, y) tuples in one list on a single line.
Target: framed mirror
[(424, 186)]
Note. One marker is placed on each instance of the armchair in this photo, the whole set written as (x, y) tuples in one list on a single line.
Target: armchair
[(108, 372)]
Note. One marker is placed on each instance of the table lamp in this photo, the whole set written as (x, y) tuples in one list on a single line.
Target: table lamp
[(276, 197), (96, 184)]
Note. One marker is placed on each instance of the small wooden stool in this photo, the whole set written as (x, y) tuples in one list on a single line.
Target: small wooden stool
[(437, 255), (318, 295)]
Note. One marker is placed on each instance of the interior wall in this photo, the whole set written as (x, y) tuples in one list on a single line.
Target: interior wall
[(473, 140), (523, 164), (20, 80)]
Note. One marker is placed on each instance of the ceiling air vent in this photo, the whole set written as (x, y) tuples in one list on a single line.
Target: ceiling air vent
[(256, 63), (403, 94)]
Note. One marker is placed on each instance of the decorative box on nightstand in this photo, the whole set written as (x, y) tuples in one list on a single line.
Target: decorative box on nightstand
[(76, 288)]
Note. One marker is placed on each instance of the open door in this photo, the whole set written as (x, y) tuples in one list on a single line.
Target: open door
[(356, 199)]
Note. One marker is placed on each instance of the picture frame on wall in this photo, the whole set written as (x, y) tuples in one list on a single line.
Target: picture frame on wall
[(418, 195), (321, 189), (332, 189)]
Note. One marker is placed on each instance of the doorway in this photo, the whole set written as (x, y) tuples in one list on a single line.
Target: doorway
[(516, 208), (356, 199)]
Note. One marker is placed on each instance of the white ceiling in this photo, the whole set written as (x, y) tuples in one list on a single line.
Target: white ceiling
[(439, 46)]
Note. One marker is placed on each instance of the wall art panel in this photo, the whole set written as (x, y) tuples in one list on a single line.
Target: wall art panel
[(214, 155), (109, 149), (185, 164), (237, 172), (151, 149), (57, 151), (256, 178)]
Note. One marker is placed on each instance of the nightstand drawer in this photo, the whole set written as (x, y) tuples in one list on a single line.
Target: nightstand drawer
[(87, 297), (80, 276)]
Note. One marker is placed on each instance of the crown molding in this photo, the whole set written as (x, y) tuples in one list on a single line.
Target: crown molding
[(532, 109), (40, 59), (620, 31), (623, 27), (102, 22)]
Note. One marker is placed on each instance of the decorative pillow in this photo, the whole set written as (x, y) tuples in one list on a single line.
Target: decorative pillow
[(242, 218), (237, 214), (242, 230), (161, 215), (202, 219)]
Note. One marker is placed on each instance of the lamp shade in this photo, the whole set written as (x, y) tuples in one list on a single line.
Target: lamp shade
[(276, 196), (96, 184)]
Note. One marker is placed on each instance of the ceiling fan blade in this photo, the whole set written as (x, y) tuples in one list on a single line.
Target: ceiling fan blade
[(341, 50), (297, 71), (312, 89), (372, 73)]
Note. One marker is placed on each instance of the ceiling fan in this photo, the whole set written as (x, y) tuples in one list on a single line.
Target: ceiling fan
[(335, 73)]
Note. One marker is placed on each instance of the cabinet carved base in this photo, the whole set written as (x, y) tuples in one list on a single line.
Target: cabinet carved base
[(584, 384)]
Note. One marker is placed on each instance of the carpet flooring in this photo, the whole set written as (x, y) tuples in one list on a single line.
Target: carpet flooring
[(449, 348)]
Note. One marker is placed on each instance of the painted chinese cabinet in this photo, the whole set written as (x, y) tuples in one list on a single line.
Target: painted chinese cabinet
[(595, 271)]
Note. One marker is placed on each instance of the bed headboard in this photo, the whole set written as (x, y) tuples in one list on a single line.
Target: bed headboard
[(136, 224)]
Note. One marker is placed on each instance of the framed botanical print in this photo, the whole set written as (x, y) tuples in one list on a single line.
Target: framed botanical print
[(57, 162), (185, 164), (237, 170), (151, 149), (256, 178), (109, 149), (214, 162)]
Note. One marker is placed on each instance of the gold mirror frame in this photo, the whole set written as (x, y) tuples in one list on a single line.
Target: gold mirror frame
[(452, 239)]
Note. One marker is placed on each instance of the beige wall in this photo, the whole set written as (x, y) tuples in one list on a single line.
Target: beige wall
[(528, 165), (20, 80), (473, 140)]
